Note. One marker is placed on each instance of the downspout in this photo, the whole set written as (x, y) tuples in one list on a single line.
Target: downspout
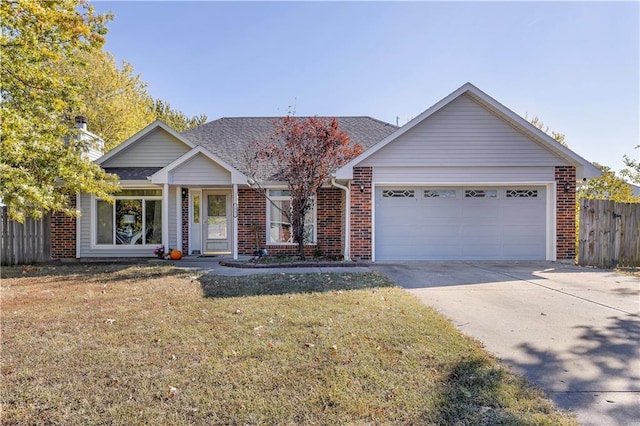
[(347, 223)]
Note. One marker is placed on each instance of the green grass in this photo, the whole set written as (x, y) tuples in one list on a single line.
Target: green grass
[(100, 344)]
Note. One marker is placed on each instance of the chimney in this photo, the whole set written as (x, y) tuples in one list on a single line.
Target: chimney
[(81, 122)]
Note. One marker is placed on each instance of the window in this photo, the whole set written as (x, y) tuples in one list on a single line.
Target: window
[(439, 193), (134, 219), (480, 193), (196, 208), (279, 231), (398, 193), (522, 193)]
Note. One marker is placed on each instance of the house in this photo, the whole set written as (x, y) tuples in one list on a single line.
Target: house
[(466, 179)]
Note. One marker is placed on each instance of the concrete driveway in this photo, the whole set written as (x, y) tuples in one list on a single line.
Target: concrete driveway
[(575, 332)]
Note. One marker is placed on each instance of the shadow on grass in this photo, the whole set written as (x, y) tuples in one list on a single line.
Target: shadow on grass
[(93, 272), (477, 391), (218, 286)]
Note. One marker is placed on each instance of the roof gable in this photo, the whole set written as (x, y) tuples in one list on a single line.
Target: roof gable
[(462, 134), (176, 169), (154, 146), (583, 167)]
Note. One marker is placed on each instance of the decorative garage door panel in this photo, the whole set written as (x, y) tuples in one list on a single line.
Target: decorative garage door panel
[(466, 223)]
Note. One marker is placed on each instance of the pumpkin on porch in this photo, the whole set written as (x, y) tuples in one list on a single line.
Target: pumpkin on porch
[(176, 255)]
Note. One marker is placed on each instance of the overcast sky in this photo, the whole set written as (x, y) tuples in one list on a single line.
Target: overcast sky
[(575, 65)]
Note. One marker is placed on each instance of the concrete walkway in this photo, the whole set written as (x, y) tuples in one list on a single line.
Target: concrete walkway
[(575, 332), (212, 265)]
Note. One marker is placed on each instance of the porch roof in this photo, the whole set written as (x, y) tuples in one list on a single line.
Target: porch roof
[(132, 173)]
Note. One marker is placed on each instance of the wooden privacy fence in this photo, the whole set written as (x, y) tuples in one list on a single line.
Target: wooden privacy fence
[(27, 242), (609, 234)]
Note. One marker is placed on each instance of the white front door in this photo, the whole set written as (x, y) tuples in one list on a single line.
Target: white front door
[(216, 223)]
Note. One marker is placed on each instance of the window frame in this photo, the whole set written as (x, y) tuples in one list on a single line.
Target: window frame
[(439, 193), (487, 193), (116, 197), (519, 193), (269, 201)]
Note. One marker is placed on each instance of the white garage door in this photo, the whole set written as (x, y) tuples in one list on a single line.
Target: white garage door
[(470, 223)]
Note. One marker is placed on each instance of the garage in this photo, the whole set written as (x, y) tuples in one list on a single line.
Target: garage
[(460, 223)]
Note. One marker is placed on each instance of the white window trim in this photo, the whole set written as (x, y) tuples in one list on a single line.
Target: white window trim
[(94, 220), (269, 198)]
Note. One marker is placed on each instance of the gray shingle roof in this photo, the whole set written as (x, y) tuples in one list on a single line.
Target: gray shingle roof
[(132, 173), (229, 138)]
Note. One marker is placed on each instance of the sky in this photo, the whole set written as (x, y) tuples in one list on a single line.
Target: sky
[(575, 65)]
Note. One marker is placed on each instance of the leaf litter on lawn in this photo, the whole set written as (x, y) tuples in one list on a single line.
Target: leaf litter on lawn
[(267, 349)]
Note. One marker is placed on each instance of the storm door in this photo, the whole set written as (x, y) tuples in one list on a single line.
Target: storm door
[(216, 226)]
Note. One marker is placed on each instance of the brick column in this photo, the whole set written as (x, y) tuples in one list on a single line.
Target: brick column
[(330, 224), (361, 225), (251, 220), (185, 221), (565, 213), (63, 234)]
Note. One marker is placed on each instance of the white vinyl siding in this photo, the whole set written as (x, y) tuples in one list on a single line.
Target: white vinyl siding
[(156, 149), (463, 133), (475, 223), (200, 170), (390, 175)]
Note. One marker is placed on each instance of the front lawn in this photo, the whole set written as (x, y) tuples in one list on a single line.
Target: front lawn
[(121, 344)]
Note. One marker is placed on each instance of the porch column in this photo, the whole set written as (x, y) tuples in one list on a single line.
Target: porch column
[(234, 213), (165, 216), (179, 220)]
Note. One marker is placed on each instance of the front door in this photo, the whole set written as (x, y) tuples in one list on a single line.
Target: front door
[(216, 226)]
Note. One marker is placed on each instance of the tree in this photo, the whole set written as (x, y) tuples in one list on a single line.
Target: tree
[(114, 100), (607, 187), (632, 171), (301, 152), (176, 119), (559, 137), (43, 162)]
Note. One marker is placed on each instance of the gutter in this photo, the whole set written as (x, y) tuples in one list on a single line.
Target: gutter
[(347, 225)]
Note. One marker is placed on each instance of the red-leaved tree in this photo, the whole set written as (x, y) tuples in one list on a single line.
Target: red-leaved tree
[(303, 152)]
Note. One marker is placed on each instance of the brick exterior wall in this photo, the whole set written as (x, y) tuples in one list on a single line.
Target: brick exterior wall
[(63, 234), (565, 213), (361, 213), (185, 221), (252, 207)]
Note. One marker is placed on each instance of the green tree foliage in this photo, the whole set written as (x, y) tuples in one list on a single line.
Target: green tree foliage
[(43, 162), (632, 169), (176, 119), (608, 187), (115, 99), (117, 104), (559, 137)]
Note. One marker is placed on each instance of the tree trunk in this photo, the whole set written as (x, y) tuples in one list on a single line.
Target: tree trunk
[(297, 223)]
